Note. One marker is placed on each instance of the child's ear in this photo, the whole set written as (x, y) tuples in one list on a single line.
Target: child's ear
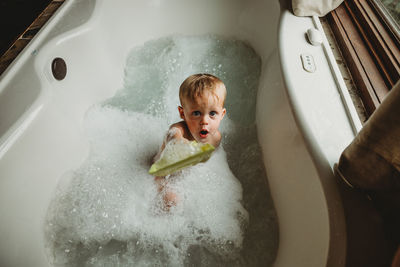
[(181, 113), (223, 112)]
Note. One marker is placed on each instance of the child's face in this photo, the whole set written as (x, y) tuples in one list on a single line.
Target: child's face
[(203, 115)]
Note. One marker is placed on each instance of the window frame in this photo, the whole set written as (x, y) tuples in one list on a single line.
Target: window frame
[(370, 46)]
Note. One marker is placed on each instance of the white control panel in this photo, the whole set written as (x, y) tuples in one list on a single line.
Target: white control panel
[(308, 62)]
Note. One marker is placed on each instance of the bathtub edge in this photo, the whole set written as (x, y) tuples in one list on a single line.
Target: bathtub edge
[(323, 166)]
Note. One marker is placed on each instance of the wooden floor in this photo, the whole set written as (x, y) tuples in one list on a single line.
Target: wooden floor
[(21, 20)]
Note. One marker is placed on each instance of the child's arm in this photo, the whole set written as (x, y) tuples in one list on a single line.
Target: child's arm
[(175, 132)]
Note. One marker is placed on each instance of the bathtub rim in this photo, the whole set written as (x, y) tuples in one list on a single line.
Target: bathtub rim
[(40, 37), (337, 244), (48, 33), (25, 119)]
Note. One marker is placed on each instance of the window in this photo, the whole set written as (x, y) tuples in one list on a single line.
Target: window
[(391, 10), (368, 35)]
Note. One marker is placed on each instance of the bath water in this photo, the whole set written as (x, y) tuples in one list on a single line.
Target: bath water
[(108, 212)]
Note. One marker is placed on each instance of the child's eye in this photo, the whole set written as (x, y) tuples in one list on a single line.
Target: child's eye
[(213, 113), (196, 113)]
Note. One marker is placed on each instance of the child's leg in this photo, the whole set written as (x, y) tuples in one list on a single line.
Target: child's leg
[(169, 197)]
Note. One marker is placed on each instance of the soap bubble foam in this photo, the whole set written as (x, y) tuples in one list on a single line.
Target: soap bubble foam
[(108, 211)]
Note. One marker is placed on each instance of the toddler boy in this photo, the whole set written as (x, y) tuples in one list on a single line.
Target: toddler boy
[(202, 98)]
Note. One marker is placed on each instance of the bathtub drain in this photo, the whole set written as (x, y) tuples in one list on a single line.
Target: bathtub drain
[(59, 68)]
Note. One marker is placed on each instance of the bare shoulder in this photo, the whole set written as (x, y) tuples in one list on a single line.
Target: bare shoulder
[(180, 129), (181, 125), (176, 129)]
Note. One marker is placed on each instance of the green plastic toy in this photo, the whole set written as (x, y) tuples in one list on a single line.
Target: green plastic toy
[(167, 164)]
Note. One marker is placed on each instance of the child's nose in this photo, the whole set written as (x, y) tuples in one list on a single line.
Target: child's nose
[(204, 120)]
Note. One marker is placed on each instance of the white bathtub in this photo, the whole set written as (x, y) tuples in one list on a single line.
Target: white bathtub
[(302, 131)]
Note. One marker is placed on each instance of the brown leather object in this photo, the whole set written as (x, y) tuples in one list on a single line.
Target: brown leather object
[(371, 163), (372, 160)]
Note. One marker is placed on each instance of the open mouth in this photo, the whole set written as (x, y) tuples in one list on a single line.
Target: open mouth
[(203, 133)]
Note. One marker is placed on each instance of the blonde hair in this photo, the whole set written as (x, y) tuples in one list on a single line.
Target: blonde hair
[(195, 85)]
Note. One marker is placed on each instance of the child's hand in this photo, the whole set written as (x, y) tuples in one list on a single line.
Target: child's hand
[(178, 155)]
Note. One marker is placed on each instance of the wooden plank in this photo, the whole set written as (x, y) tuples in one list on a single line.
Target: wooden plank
[(352, 48)]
